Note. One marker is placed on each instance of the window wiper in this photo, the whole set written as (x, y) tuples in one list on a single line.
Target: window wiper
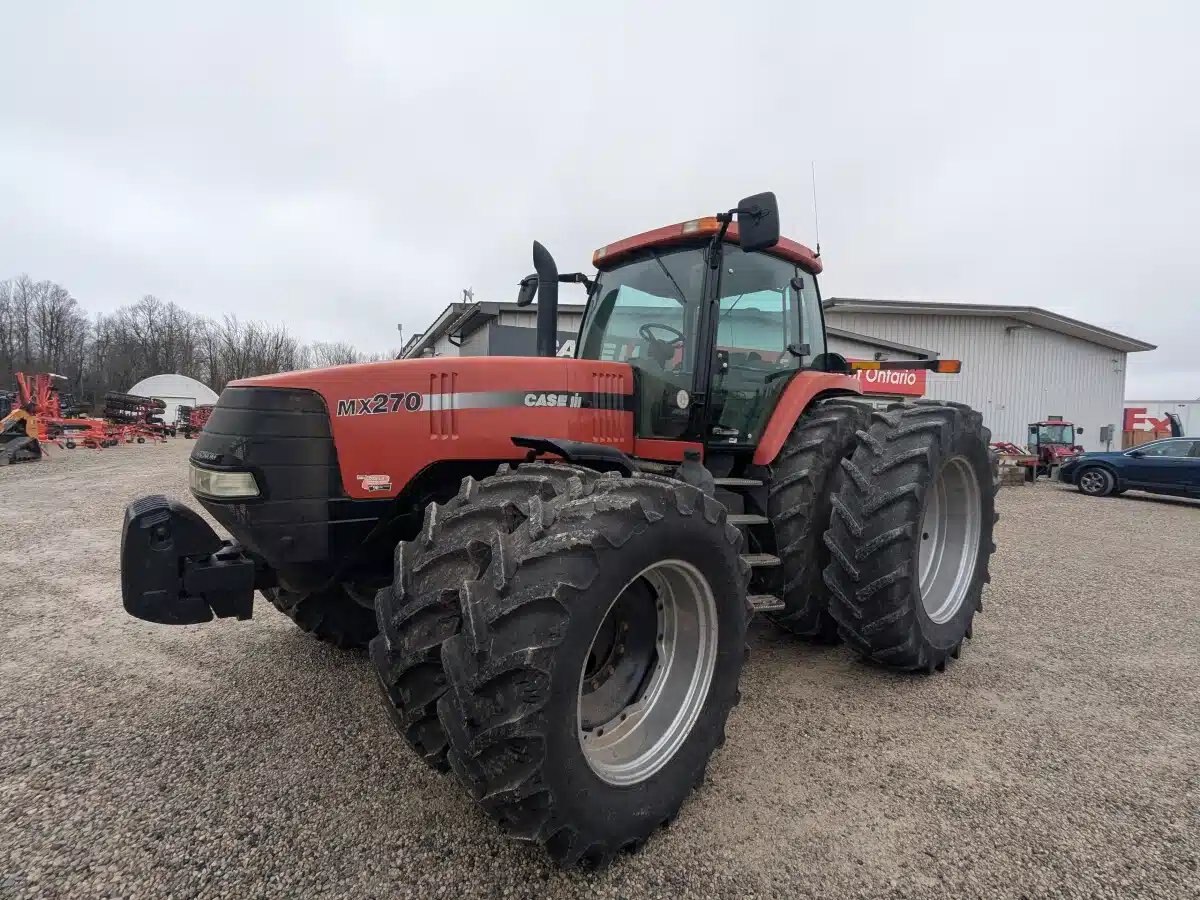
[(667, 272), (736, 301)]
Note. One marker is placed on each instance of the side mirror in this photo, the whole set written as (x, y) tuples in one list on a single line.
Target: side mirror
[(1079, 431), (528, 290), (1136, 454), (758, 222)]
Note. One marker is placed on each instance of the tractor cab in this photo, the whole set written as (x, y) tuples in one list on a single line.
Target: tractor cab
[(713, 315), (1053, 442), (1055, 433), (711, 347)]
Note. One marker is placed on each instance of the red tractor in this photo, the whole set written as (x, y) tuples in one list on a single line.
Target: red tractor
[(1053, 443), (553, 561)]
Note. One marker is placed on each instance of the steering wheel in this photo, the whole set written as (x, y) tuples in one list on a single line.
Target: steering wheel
[(645, 331)]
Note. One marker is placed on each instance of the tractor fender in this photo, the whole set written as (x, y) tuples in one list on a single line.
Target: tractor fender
[(800, 393), (601, 457)]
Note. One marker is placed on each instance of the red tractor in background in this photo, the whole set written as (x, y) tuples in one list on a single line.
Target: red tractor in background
[(553, 560), (1052, 442)]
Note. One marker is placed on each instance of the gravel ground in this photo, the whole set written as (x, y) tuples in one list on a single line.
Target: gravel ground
[(1059, 757)]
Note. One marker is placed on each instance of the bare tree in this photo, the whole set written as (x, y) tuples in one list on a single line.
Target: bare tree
[(43, 328), (322, 354)]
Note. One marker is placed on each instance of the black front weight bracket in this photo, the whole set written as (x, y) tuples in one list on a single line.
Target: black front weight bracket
[(175, 570)]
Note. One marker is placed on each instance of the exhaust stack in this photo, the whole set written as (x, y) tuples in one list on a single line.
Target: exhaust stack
[(547, 313)]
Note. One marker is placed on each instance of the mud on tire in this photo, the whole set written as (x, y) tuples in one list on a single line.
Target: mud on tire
[(799, 501), (514, 712), (878, 526), (420, 610), (332, 615)]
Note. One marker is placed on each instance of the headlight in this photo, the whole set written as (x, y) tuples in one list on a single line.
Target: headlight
[(222, 485)]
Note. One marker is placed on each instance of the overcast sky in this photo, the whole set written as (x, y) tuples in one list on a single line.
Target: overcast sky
[(346, 171)]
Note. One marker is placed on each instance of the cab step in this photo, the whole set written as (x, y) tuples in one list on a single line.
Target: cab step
[(744, 519), (764, 602), (760, 560), (738, 482)]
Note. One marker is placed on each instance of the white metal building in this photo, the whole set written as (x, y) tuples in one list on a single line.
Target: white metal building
[(174, 390), (1021, 364)]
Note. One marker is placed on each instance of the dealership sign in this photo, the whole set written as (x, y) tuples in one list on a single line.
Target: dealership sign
[(1137, 418), (909, 382)]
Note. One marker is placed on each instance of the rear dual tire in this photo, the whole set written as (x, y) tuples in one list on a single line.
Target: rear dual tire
[(911, 535), (801, 485)]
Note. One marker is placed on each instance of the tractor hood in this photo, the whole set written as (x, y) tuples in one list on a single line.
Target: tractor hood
[(390, 420), (1062, 451)]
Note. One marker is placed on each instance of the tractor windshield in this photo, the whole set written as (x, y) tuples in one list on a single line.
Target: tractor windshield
[(1056, 434), (647, 312)]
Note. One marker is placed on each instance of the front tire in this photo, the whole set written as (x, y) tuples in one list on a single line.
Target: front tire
[(1096, 481), (331, 615), (583, 755), (912, 534), (421, 609)]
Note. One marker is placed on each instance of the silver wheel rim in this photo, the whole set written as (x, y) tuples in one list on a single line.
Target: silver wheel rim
[(1092, 481), (646, 733), (950, 531)]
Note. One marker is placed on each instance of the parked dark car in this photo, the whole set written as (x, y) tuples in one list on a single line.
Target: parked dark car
[(1171, 466)]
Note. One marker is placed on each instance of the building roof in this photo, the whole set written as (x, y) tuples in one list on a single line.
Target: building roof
[(176, 386), (1031, 315), (919, 352)]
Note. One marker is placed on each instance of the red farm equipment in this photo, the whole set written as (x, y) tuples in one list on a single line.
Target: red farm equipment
[(135, 418), (191, 419), (553, 560), (33, 406)]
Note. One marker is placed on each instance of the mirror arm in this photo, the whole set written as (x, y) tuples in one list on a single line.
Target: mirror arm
[(577, 278)]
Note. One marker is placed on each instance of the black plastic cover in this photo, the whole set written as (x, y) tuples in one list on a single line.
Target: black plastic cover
[(282, 436)]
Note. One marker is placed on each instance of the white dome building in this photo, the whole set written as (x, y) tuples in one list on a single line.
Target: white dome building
[(175, 391)]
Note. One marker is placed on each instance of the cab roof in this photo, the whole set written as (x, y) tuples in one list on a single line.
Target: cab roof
[(685, 232)]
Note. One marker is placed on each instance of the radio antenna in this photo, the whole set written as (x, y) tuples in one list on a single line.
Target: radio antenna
[(816, 218)]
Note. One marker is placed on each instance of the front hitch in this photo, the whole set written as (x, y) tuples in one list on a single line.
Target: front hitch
[(175, 570)]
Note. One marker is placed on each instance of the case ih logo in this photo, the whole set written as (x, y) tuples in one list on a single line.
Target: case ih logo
[(574, 401), (379, 403), (909, 382)]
